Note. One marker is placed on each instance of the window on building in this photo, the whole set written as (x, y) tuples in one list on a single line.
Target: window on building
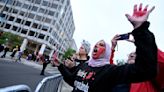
[(24, 31), (34, 25), (40, 25), (47, 20), (25, 6), (57, 27), (2, 15), (45, 28), (41, 10), (22, 13), (50, 30), (31, 33), (7, 26), (10, 1), (51, 13), (45, 3), (38, 17), (31, 15), (37, 1), (15, 11), (18, 20), (59, 8), (6, 8), (1, 6), (11, 18), (26, 14), (19, 29), (60, 21), (53, 5), (54, 21), (68, 2), (47, 38), (27, 23), (41, 36), (62, 1), (14, 28), (2, 24), (34, 8), (18, 3), (57, 14)]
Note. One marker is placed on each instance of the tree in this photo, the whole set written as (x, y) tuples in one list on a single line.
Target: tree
[(11, 39), (68, 53)]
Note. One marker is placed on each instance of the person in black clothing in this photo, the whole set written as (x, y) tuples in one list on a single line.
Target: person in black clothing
[(6, 49), (97, 75), (17, 48), (1, 47), (80, 57), (46, 61)]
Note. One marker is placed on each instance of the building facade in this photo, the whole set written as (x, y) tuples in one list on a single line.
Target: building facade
[(47, 25)]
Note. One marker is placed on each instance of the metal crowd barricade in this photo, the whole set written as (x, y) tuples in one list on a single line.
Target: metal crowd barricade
[(49, 84), (16, 88)]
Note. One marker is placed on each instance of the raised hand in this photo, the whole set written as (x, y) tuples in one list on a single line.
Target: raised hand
[(139, 15), (114, 41), (69, 63)]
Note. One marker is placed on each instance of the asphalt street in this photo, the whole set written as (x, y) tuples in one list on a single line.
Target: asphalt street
[(14, 73)]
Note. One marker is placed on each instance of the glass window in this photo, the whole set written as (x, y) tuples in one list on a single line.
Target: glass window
[(31, 15), (57, 27), (60, 21), (57, 14), (54, 21), (22, 13), (51, 13), (6, 8), (18, 3), (47, 38), (27, 23), (11, 18), (50, 30), (7, 26), (41, 10), (45, 28), (34, 25), (45, 3), (41, 36), (15, 11), (18, 20), (24, 31), (34, 8), (10, 1), (14, 28), (25, 6), (68, 2), (31, 33), (47, 20), (53, 5), (40, 26), (38, 17), (59, 8), (37, 1)]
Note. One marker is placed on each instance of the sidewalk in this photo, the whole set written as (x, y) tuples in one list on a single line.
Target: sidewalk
[(36, 65)]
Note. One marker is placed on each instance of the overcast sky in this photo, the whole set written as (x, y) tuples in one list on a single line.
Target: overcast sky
[(102, 19)]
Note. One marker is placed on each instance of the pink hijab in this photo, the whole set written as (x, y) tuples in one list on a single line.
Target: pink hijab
[(101, 61)]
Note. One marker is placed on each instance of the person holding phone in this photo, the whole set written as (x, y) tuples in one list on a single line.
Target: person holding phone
[(97, 75)]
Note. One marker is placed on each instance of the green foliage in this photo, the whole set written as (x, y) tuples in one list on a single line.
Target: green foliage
[(68, 53), (120, 62), (11, 39)]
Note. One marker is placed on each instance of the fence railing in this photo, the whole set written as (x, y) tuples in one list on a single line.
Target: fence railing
[(49, 84), (16, 88)]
